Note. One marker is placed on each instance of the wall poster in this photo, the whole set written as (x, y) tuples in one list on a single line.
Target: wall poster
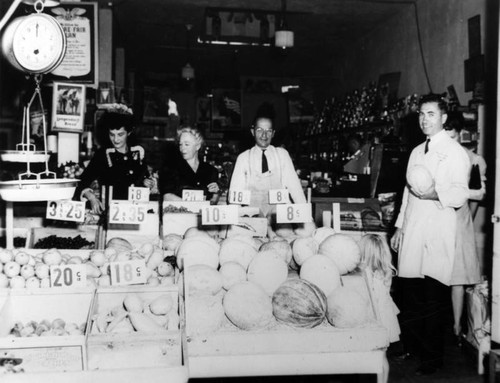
[(68, 107), (80, 63)]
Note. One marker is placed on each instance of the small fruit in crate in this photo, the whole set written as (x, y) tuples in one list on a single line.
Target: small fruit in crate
[(70, 170), (57, 327)]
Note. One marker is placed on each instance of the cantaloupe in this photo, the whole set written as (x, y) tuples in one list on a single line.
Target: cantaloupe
[(198, 250), (234, 250), (268, 270), (248, 306), (347, 308), (343, 250), (281, 247), (419, 178), (303, 248), (204, 314), (202, 280), (322, 271), (232, 273)]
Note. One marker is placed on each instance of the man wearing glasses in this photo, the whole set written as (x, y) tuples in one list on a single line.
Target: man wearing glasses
[(265, 167)]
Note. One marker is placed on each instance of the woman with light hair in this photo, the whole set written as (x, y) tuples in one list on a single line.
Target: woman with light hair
[(189, 172)]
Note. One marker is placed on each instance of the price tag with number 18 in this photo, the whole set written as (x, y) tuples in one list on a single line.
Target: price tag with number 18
[(240, 197)]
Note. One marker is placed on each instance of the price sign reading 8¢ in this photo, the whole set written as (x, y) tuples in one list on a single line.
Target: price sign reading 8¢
[(66, 210), (294, 213), (137, 194), (128, 272), (219, 215), (279, 196), (240, 197)]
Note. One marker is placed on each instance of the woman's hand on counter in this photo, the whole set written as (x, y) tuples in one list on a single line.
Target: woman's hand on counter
[(213, 187), (96, 206)]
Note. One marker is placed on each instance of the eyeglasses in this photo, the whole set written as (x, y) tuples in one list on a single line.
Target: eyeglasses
[(262, 131)]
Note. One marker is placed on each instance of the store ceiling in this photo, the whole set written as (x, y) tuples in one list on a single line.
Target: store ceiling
[(162, 23)]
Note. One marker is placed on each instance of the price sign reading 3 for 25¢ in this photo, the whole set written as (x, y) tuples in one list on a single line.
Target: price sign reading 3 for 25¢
[(66, 210), (294, 213), (127, 213), (219, 215)]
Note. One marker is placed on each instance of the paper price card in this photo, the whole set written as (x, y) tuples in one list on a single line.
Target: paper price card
[(68, 276), (219, 215), (294, 213), (240, 197), (136, 194), (127, 213), (128, 272), (278, 196), (66, 210), (193, 195)]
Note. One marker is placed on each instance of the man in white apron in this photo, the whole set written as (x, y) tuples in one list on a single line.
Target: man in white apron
[(425, 236), (265, 167)]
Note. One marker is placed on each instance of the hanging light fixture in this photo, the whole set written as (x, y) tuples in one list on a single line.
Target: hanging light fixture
[(283, 37), (187, 70)]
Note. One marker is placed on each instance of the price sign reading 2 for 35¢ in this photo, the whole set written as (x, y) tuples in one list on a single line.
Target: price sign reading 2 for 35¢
[(137, 194), (294, 213), (68, 276), (240, 197), (127, 213), (66, 210), (219, 215), (128, 272), (277, 196)]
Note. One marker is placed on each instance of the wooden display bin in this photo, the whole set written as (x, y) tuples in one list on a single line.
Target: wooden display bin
[(283, 350), (46, 353), (178, 223), (136, 349)]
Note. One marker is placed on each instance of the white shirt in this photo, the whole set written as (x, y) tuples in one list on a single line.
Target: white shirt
[(428, 226), (249, 164)]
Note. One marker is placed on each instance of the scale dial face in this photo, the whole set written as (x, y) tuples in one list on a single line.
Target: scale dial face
[(39, 43)]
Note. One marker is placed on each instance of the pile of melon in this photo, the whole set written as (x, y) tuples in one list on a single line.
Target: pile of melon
[(31, 268), (255, 284)]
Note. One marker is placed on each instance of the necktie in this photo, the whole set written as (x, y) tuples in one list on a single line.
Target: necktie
[(427, 145), (265, 167)]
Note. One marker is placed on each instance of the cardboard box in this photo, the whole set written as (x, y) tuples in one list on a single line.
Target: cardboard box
[(46, 353)]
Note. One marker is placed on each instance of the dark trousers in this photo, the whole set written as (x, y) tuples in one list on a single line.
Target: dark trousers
[(425, 305)]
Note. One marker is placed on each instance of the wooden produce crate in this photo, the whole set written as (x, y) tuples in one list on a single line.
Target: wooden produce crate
[(283, 350), (178, 223), (46, 353), (134, 349)]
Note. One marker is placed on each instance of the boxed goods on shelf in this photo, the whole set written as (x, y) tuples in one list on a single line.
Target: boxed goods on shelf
[(46, 329), (135, 327)]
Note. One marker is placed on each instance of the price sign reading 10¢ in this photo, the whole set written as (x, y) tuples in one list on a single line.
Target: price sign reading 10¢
[(66, 210), (219, 215), (240, 197), (127, 213), (294, 213), (68, 276), (193, 195), (279, 196), (128, 272), (137, 194)]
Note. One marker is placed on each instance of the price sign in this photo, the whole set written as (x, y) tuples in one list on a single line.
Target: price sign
[(66, 210), (128, 273), (127, 213), (278, 196), (219, 215), (136, 194), (294, 213), (68, 276), (193, 195), (240, 197)]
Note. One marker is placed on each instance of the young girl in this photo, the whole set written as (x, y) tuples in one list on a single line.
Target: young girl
[(377, 266)]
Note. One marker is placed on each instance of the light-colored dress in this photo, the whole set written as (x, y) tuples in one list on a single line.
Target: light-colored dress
[(466, 267), (387, 310)]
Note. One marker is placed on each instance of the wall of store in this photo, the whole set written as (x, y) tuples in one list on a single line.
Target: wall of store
[(394, 47)]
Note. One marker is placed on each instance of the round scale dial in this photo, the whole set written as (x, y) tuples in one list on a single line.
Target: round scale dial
[(38, 43)]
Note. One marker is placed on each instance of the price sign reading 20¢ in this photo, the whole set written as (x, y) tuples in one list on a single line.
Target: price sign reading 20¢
[(68, 276), (128, 272), (294, 213), (66, 210), (219, 215)]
